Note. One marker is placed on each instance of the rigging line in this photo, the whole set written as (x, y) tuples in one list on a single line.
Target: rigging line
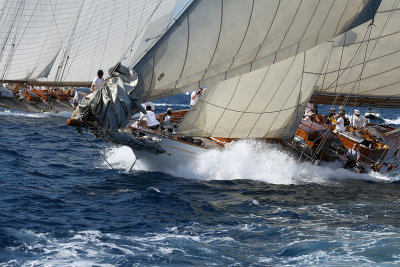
[(68, 46), (145, 24), (370, 29), (363, 67), (158, 37), (97, 40), (101, 154), (15, 44), (351, 60), (130, 48), (82, 38), (108, 33), (12, 21), (366, 32)]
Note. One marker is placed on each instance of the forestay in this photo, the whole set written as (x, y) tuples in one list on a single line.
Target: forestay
[(70, 40), (268, 102), (364, 65), (215, 40)]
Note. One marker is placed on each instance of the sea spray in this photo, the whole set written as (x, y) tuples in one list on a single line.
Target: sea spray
[(248, 159)]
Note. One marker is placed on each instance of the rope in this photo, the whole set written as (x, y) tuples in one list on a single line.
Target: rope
[(101, 154)]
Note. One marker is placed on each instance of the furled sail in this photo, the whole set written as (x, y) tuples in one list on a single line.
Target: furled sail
[(215, 40), (268, 102), (364, 66), (76, 38)]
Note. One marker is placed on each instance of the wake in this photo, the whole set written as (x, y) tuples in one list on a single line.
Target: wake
[(14, 113), (250, 160), (393, 122)]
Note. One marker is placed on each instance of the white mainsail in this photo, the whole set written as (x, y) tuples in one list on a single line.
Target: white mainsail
[(266, 103), (215, 40), (364, 65), (68, 41)]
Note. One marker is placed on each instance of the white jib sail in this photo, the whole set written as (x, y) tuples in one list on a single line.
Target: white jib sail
[(365, 62), (217, 40), (266, 103)]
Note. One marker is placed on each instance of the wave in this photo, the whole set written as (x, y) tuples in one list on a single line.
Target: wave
[(9, 112), (250, 160), (394, 122)]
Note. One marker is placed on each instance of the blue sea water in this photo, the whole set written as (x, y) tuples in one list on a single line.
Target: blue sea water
[(61, 204)]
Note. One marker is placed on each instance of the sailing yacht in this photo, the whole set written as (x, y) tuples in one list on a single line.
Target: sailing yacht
[(262, 61), (260, 76)]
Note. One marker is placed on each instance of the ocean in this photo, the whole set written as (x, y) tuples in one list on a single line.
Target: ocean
[(62, 204)]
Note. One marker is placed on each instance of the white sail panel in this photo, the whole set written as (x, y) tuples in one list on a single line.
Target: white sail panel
[(266, 103), (87, 35), (215, 40), (365, 62), (32, 33)]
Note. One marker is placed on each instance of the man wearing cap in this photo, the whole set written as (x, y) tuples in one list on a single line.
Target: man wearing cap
[(358, 121)]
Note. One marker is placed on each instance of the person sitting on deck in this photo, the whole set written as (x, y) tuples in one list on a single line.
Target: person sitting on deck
[(358, 121), (353, 155), (151, 120), (309, 116), (340, 123), (167, 116)]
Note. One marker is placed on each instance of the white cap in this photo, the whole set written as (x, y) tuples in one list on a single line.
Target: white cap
[(357, 112)]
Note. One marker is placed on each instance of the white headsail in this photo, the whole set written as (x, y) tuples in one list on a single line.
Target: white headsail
[(364, 65), (68, 41), (268, 102), (215, 40)]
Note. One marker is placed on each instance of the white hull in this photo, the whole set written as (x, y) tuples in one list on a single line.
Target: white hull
[(178, 155)]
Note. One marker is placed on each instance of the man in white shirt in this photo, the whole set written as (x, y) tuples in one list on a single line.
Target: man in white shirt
[(340, 126), (77, 98), (353, 155), (358, 121), (151, 120), (194, 97), (98, 81)]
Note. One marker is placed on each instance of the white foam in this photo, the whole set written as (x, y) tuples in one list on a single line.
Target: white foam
[(395, 121), (122, 158), (250, 160), (14, 113)]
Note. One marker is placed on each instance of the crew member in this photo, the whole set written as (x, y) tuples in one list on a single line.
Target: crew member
[(353, 155), (330, 119), (77, 98), (358, 121), (167, 115), (194, 97), (98, 81), (151, 120), (340, 123)]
